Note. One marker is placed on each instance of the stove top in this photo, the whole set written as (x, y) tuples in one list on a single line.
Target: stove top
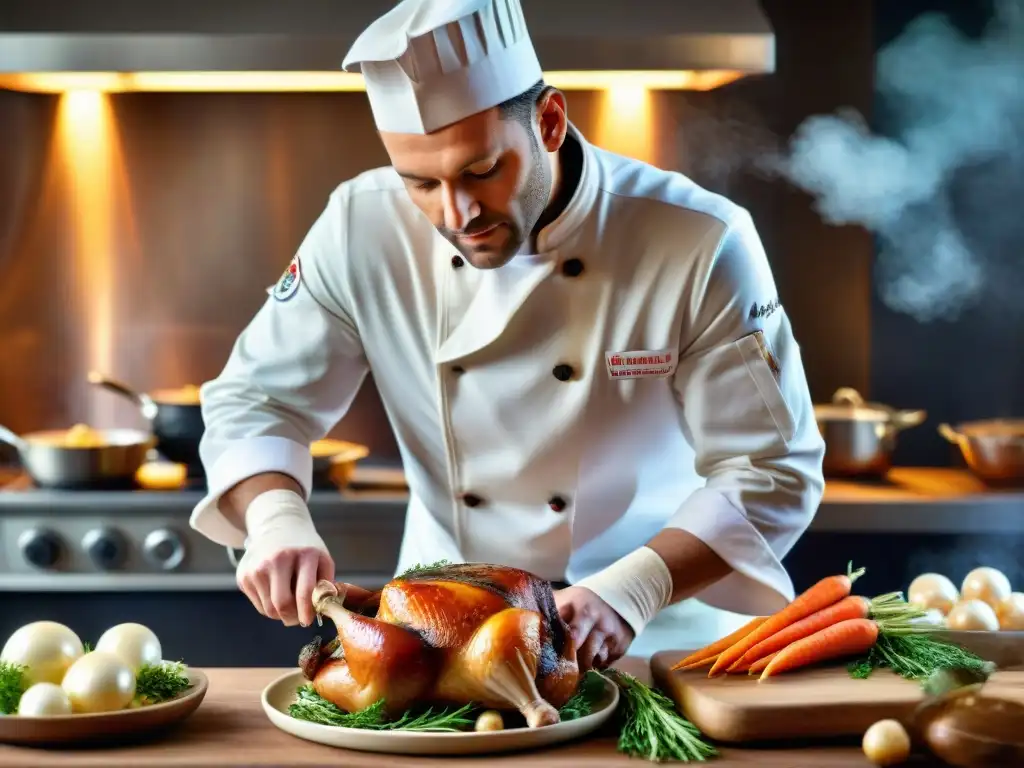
[(138, 537)]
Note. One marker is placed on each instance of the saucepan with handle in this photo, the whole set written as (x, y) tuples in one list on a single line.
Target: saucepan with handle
[(860, 437), (175, 417), (81, 457), (993, 449)]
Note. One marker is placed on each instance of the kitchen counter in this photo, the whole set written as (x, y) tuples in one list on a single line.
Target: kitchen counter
[(920, 500), (230, 729)]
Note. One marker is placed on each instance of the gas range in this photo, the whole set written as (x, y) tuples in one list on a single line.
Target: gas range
[(139, 539), (93, 559)]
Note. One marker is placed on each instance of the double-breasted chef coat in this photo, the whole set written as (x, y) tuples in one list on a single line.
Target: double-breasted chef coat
[(637, 372)]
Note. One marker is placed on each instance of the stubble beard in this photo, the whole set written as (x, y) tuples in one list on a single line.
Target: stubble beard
[(532, 200)]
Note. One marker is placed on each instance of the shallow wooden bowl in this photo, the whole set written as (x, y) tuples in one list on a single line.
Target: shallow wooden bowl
[(123, 725)]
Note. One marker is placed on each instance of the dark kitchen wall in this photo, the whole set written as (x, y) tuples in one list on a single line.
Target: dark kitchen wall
[(211, 193), (962, 361)]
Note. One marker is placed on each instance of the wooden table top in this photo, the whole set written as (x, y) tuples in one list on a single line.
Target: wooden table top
[(230, 729)]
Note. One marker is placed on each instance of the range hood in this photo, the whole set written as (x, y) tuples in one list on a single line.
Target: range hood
[(273, 45)]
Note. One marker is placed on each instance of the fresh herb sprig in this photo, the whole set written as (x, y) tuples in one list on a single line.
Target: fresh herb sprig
[(652, 728), (914, 657), (159, 682), (310, 706), (13, 683), (419, 569), (588, 694)]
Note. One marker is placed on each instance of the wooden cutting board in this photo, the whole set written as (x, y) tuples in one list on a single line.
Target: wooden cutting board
[(824, 702)]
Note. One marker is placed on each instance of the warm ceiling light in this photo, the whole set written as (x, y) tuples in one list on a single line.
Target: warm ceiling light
[(270, 82)]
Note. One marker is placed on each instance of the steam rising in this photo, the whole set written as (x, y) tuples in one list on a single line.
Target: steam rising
[(938, 195), (957, 103)]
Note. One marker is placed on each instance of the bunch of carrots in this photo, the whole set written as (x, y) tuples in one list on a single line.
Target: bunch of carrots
[(826, 622)]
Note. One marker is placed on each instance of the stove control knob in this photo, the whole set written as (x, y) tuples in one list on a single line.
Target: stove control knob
[(40, 547), (106, 547), (164, 549)]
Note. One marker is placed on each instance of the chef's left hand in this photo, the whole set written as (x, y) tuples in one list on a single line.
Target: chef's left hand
[(602, 637)]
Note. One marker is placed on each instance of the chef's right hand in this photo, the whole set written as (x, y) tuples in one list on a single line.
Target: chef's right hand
[(284, 558)]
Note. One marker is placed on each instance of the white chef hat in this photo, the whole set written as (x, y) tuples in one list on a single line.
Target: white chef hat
[(431, 63)]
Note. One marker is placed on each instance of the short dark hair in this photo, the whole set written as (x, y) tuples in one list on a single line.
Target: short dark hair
[(523, 107)]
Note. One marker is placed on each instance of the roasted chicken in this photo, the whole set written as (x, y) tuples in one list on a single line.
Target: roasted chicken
[(445, 636)]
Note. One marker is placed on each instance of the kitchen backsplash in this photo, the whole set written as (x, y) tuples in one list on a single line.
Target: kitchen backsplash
[(151, 270)]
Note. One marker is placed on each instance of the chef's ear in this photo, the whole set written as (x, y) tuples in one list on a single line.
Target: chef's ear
[(551, 114)]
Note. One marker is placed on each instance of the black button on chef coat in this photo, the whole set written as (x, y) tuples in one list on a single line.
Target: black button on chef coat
[(458, 370), (457, 261), (562, 372), (471, 500), (557, 503), (572, 268)]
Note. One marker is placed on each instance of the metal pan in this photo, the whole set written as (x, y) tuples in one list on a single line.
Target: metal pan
[(993, 449), (175, 416), (860, 437), (81, 457), (334, 461)]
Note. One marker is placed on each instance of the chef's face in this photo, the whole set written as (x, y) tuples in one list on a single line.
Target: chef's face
[(485, 181)]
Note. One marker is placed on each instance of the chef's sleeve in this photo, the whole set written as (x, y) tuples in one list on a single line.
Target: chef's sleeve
[(291, 376), (747, 408)]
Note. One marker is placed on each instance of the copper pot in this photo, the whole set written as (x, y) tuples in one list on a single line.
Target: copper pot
[(860, 437), (993, 449)]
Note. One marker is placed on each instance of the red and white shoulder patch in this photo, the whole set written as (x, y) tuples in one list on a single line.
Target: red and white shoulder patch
[(289, 282)]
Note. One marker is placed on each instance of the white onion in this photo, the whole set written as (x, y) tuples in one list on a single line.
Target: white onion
[(135, 644), (44, 700), (932, 616), (986, 584), (972, 616), (46, 648), (933, 590), (99, 682), (1011, 612)]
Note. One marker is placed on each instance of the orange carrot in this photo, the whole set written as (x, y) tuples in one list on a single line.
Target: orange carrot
[(842, 639), (890, 605), (852, 607), (712, 651), (829, 590), (698, 664), (758, 666)]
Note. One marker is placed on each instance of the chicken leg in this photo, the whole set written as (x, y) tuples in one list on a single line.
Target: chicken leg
[(371, 659), (497, 669)]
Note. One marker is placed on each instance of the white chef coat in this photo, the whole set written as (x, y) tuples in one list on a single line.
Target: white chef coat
[(508, 463)]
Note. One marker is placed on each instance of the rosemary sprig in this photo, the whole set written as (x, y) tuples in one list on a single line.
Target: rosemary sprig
[(589, 693), (914, 656), (652, 728), (419, 569), (312, 707), (159, 682), (13, 683)]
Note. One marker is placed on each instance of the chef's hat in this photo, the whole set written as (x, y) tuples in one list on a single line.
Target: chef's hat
[(431, 63)]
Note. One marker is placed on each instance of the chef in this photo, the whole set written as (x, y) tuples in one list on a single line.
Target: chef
[(584, 359)]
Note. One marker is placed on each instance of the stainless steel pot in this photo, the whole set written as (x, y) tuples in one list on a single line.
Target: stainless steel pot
[(175, 416), (993, 449), (81, 457), (860, 437)]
